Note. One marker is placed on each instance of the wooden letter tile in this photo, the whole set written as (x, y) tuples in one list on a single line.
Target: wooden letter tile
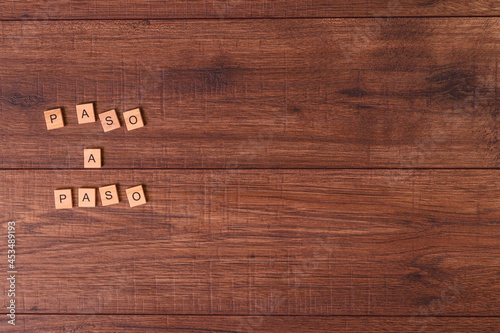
[(133, 119), (109, 195), (54, 119), (136, 196), (92, 158), (63, 199), (85, 113), (109, 120), (86, 197)]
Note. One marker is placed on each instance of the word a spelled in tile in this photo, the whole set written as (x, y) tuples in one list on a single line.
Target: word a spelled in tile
[(86, 197), (63, 199), (109, 195), (133, 119), (136, 196), (85, 113), (109, 120), (54, 119), (92, 158)]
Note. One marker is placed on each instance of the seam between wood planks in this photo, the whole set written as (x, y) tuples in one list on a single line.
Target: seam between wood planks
[(250, 18), (242, 315), (234, 169)]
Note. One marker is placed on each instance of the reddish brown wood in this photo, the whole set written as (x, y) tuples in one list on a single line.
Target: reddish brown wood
[(254, 324), (283, 242), (383, 250), (216, 9), (410, 93)]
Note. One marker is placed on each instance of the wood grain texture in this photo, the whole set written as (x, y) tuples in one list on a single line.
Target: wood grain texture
[(338, 84), (408, 93), (160, 9), (254, 324), (268, 242)]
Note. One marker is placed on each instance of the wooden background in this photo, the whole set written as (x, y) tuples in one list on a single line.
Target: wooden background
[(326, 166)]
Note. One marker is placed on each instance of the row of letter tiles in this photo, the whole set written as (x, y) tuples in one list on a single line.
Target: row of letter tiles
[(109, 196), (85, 112)]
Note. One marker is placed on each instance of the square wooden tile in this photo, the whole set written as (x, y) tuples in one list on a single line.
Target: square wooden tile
[(136, 196), (86, 197), (63, 199), (85, 113), (133, 119), (109, 120), (54, 119), (109, 195), (92, 158)]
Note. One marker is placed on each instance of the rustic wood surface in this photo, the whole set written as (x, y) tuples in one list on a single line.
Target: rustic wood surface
[(418, 93), (310, 166), (181, 9), (264, 324), (274, 242)]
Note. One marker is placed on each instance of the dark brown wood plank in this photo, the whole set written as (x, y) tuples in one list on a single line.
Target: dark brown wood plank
[(254, 324), (155, 9), (274, 242), (411, 93)]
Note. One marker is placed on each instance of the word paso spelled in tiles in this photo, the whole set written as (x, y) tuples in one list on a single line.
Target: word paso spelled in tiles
[(54, 119), (136, 196), (85, 113), (92, 158), (86, 197), (109, 120), (63, 199), (109, 195), (133, 119)]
